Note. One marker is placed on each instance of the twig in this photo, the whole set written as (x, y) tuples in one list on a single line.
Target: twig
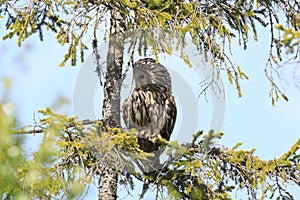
[(39, 129)]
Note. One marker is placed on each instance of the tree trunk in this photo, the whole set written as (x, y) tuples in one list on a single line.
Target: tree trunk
[(111, 104)]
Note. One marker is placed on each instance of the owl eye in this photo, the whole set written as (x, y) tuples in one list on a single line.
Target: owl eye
[(142, 77)]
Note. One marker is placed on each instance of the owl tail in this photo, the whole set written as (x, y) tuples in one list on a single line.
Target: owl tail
[(151, 164)]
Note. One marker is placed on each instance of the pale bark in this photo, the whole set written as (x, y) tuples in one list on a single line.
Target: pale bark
[(108, 181)]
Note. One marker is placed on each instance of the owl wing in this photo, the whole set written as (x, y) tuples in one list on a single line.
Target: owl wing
[(136, 110), (171, 115)]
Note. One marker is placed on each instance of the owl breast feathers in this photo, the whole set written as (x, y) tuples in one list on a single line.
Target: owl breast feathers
[(151, 108)]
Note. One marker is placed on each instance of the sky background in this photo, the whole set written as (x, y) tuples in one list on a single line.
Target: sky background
[(37, 82)]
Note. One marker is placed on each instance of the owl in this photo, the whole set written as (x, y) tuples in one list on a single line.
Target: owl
[(151, 108)]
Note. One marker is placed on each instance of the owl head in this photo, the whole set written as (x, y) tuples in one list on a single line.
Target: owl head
[(149, 71)]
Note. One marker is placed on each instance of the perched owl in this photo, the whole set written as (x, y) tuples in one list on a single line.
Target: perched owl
[(151, 108)]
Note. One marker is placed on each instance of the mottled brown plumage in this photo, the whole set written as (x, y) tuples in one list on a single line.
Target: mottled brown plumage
[(151, 108)]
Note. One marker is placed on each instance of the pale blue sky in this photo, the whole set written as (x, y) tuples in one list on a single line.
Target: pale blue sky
[(38, 82)]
